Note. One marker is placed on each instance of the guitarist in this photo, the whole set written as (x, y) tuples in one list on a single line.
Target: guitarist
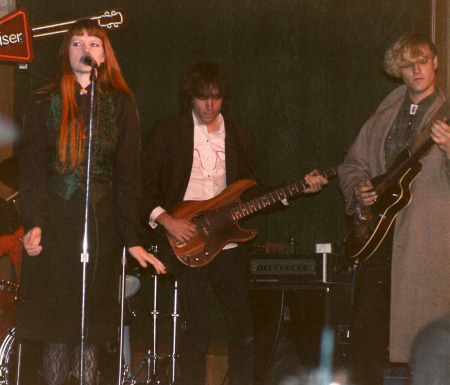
[(405, 283), (194, 156)]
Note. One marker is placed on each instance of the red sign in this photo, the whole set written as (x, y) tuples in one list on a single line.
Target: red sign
[(15, 37)]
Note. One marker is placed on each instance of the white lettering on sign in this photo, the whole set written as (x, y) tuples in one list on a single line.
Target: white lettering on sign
[(12, 38)]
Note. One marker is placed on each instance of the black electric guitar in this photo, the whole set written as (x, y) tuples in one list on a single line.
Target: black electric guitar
[(217, 219), (368, 226)]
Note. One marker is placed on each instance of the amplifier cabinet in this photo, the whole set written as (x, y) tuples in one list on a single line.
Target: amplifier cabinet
[(292, 268), (293, 297), (289, 321)]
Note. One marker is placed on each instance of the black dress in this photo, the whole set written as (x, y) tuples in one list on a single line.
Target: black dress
[(50, 295)]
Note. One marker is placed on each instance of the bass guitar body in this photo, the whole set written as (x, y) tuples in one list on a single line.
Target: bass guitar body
[(368, 225), (215, 225)]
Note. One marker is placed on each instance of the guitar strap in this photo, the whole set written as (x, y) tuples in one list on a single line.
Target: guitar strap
[(443, 114)]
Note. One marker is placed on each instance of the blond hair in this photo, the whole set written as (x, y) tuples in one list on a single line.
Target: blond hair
[(407, 48)]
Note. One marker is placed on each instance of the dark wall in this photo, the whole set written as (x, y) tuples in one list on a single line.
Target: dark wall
[(306, 74)]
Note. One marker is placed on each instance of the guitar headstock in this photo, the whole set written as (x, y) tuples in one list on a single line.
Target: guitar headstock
[(113, 19)]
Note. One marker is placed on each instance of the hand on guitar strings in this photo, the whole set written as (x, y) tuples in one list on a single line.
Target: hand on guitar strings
[(365, 193), (139, 253), (315, 181), (440, 132), (180, 229)]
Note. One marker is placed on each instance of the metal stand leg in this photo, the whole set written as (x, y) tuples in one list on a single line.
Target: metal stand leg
[(19, 363), (155, 357), (151, 359), (122, 310), (156, 367), (175, 316)]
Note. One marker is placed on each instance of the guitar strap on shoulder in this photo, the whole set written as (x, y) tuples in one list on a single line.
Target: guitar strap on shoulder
[(443, 113)]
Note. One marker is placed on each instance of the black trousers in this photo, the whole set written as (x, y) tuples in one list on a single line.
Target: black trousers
[(371, 312), (227, 274)]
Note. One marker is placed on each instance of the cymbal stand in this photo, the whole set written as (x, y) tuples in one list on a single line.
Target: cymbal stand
[(156, 366), (175, 315), (155, 357)]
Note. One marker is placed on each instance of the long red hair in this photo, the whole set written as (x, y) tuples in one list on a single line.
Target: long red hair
[(109, 79)]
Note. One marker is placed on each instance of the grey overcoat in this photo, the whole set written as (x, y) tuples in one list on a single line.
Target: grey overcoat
[(421, 250)]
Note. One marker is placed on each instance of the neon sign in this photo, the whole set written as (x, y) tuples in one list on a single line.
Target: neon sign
[(16, 35)]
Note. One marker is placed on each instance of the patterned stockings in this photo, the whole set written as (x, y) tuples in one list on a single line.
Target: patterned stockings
[(61, 359)]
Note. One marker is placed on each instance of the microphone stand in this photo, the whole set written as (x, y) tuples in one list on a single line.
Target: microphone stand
[(122, 317), (85, 253)]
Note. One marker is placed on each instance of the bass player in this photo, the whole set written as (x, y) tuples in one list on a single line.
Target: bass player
[(194, 157)]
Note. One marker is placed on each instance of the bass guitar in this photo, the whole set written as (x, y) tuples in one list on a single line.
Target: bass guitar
[(217, 219), (368, 225)]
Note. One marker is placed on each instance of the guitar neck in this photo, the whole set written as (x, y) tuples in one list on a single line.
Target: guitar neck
[(287, 192), (398, 169), (419, 149), (111, 19)]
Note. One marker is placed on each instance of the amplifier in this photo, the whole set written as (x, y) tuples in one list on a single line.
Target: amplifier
[(291, 268)]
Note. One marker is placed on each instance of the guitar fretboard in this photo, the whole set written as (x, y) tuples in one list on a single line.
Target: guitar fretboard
[(287, 192)]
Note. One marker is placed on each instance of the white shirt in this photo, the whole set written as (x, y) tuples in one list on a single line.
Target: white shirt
[(208, 174)]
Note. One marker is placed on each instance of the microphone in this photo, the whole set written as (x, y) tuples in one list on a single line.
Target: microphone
[(89, 61)]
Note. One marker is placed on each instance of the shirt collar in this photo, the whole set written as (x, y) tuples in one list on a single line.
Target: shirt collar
[(424, 103)]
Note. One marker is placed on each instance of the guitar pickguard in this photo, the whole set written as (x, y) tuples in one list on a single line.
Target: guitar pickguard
[(369, 224)]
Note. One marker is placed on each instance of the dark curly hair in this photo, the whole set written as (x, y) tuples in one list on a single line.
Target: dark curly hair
[(199, 79)]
